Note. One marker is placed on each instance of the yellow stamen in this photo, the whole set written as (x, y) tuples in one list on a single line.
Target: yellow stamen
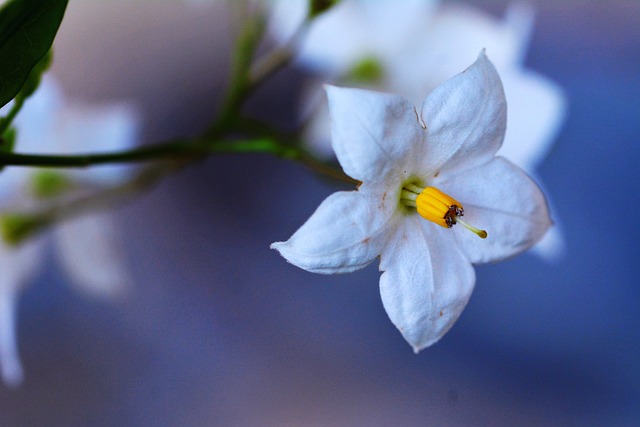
[(438, 207)]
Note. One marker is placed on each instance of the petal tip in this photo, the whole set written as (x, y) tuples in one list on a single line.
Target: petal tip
[(281, 247), (12, 374)]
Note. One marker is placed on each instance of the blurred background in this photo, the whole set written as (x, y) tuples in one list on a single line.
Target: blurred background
[(220, 330)]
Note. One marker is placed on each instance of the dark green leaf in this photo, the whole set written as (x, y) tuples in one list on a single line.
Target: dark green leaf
[(320, 6), (27, 30), (34, 77)]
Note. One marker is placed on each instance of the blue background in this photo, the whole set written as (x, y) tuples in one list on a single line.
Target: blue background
[(220, 330)]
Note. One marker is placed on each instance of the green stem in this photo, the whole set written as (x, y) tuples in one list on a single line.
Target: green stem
[(17, 227), (240, 85), (175, 148), (178, 149), (5, 122)]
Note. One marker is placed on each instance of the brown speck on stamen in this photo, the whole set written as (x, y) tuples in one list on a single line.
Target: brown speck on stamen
[(452, 213), (441, 313)]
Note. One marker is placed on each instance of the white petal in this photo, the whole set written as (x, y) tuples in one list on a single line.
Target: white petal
[(373, 134), (13, 180), (85, 128), (536, 110), (426, 283), (285, 17), (465, 119), (500, 198), (350, 31), (314, 112), (552, 247), (451, 40), (36, 121), (10, 366), (18, 265), (90, 252), (345, 233)]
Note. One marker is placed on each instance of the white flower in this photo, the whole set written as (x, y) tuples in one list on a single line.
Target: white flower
[(351, 31), (417, 45), (87, 247), (432, 160)]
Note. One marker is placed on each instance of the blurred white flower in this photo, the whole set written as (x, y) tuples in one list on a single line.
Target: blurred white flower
[(415, 167), (88, 248), (410, 48), (352, 31)]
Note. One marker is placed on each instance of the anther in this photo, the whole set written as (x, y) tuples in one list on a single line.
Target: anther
[(437, 207)]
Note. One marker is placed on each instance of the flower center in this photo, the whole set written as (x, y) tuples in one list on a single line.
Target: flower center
[(436, 206)]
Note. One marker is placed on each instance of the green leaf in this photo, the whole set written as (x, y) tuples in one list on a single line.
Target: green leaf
[(34, 77), (27, 30)]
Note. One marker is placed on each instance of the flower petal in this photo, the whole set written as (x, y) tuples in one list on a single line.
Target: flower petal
[(374, 134), (351, 30), (88, 249), (10, 366), (344, 234), (465, 118), (552, 247), (500, 198), (37, 119), (97, 128), (18, 265), (426, 283), (536, 110)]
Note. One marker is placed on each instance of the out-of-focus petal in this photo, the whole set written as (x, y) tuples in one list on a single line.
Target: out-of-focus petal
[(350, 31), (456, 32), (374, 135), (10, 365), (465, 118), (36, 121), (345, 233), (552, 247), (17, 266), (285, 17), (92, 255), (536, 110), (426, 281), (501, 199), (97, 128)]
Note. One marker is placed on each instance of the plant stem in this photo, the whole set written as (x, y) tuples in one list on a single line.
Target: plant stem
[(239, 86), (178, 149)]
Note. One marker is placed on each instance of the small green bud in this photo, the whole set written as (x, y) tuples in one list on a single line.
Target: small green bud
[(8, 140), (49, 183), (15, 227), (366, 71)]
